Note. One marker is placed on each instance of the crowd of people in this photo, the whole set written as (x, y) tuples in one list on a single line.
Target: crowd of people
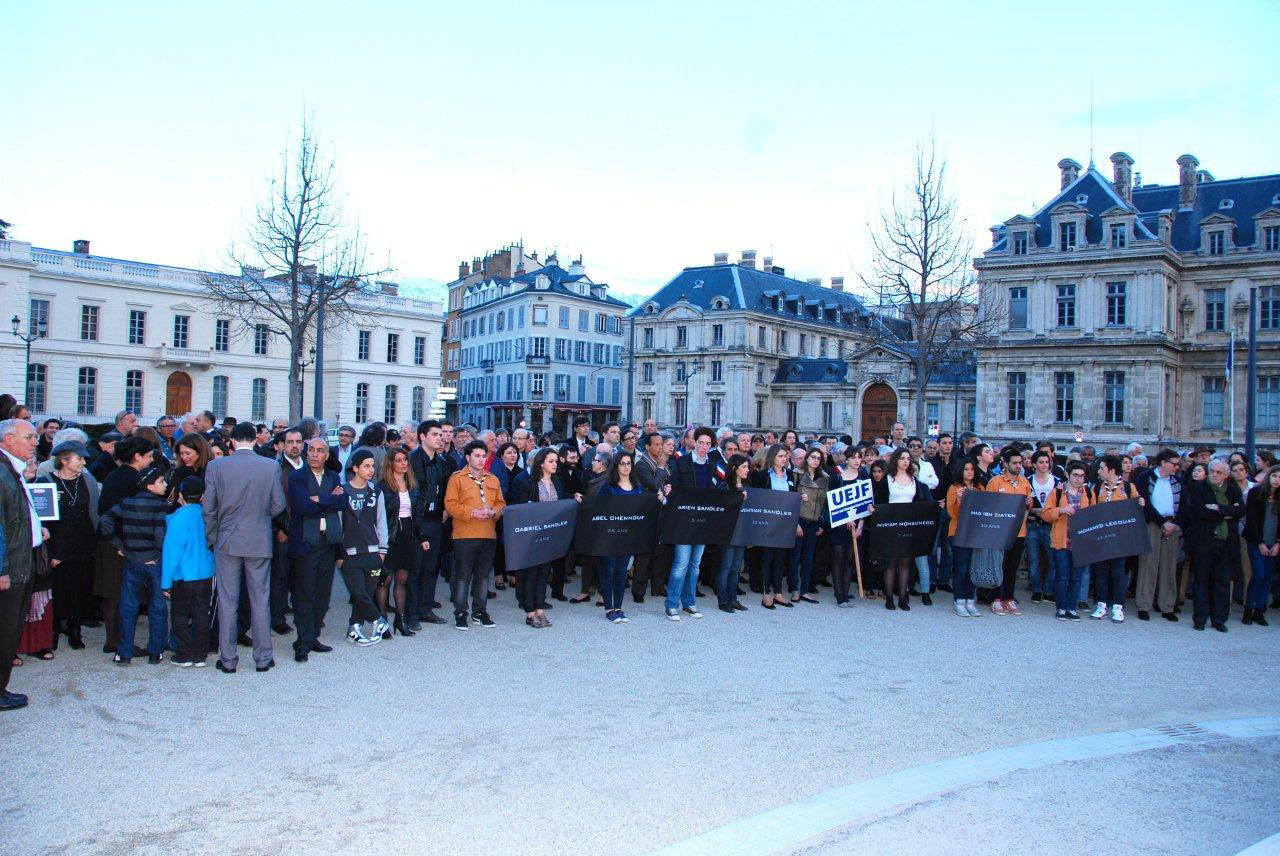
[(220, 532)]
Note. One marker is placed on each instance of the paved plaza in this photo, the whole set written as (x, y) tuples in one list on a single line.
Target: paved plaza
[(735, 733)]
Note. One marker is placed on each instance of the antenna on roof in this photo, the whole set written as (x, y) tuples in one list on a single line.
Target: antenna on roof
[(1090, 121)]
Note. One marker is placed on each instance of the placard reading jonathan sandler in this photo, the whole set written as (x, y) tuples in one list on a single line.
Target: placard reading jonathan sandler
[(44, 497)]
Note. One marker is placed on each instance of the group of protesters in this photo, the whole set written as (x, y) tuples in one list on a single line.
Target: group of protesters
[(218, 532)]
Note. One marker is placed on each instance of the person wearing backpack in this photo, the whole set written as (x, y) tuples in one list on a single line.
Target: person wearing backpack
[(1059, 506), (1111, 576), (1041, 565)]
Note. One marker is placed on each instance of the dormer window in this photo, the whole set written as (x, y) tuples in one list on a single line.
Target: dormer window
[(1019, 243), (542, 282), (651, 309), (1119, 235), (1066, 236), (1217, 242), (719, 303)]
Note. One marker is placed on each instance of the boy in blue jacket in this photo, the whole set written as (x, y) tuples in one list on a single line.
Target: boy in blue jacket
[(186, 575)]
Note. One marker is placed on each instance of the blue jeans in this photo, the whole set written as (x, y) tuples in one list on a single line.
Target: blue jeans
[(135, 575), (1066, 581), (727, 576), (613, 580), (800, 574), (1041, 564), (1082, 590), (1110, 581), (922, 566), (961, 582), (946, 560), (1260, 583), (682, 582)]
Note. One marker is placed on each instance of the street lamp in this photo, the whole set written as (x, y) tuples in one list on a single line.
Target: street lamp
[(302, 373), (28, 338)]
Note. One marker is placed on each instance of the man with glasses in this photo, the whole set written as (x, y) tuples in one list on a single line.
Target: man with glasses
[(165, 427), (339, 454), (22, 535)]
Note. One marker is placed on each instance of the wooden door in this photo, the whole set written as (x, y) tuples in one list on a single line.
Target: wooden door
[(879, 410), (177, 394)]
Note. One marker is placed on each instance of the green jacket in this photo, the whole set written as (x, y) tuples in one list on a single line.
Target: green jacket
[(15, 521)]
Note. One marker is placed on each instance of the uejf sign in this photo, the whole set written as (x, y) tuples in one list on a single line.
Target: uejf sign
[(851, 501)]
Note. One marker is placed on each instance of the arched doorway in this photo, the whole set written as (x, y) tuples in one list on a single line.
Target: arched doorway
[(177, 394), (879, 410)]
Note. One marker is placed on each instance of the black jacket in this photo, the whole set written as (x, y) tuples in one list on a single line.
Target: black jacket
[(684, 475), (760, 478), (1143, 483), (1201, 520), (880, 491), (526, 490), (432, 476), (1256, 508), (397, 525)]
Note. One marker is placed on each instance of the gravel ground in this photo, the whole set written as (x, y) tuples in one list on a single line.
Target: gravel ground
[(588, 736)]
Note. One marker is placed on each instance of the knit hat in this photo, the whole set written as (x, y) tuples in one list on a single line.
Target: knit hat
[(149, 476)]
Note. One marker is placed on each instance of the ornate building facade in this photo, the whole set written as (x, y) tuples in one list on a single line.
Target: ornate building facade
[(538, 345), (1118, 302), (728, 344), (129, 335)]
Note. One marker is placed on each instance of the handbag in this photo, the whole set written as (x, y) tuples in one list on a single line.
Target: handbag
[(987, 568), (41, 570)]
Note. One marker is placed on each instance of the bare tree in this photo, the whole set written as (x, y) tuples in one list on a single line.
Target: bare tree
[(920, 268), (300, 264)]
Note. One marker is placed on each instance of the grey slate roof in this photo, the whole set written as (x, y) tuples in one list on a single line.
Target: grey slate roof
[(811, 371), (737, 287), (560, 280), (1249, 196)]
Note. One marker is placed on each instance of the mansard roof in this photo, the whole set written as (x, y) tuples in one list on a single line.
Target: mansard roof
[(1095, 195), (560, 279), (811, 371), (729, 286)]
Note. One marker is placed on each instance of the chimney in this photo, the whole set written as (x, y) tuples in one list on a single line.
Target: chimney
[(837, 283), (995, 234), (748, 259), (1187, 181), (722, 258), (814, 280), (1070, 171), (767, 267), (251, 272), (464, 270), (1122, 176), (80, 246)]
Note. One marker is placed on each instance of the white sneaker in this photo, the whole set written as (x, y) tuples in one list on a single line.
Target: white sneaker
[(972, 606), (356, 636), (1099, 611), (961, 609), (1117, 613), (673, 614)]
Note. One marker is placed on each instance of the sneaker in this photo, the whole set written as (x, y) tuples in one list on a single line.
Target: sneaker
[(121, 661), (380, 627), (972, 606), (845, 604), (1117, 613), (673, 614), (997, 606), (1061, 614), (692, 612), (1012, 607), (460, 621), (354, 634), (155, 659), (1072, 615), (1037, 597), (622, 615), (357, 636), (1099, 611), (483, 619), (181, 663), (615, 616), (960, 608)]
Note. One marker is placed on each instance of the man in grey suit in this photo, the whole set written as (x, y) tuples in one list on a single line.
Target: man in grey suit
[(242, 494)]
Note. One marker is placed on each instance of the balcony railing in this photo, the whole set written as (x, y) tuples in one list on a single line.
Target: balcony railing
[(535, 360), (169, 355)]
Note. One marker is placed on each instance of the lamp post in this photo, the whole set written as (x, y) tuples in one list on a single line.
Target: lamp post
[(27, 338), (302, 376)]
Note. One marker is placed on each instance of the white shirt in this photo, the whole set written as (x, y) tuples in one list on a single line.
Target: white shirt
[(37, 535), (927, 474), (1162, 496), (902, 492), (1042, 489)]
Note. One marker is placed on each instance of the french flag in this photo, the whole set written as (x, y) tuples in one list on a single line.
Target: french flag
[(721, 472)]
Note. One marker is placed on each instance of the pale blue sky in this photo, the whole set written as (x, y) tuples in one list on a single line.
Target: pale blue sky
[(646, 136)]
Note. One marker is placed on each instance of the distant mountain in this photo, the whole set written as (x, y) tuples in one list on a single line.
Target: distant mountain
[(424, 288)]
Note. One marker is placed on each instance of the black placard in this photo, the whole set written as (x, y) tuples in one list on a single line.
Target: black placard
[(537, 532), (1107, 530), (767, 519), (989, 521), (613, 525), (696, 515), (904, 530)]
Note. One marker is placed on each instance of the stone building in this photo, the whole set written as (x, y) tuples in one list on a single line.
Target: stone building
[(129, 335), (1118, 303), (756, 349), (538, 345)]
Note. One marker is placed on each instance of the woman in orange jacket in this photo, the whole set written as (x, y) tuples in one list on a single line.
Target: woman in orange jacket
[(1060, 505), (962, 557)]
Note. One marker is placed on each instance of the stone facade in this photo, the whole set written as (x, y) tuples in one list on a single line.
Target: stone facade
[(140, 336), (1119, 303), (727, 344)]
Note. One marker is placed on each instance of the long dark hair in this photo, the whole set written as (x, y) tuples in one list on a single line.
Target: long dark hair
[(893, 463), (613, 467), (732, 476), (374, 434), (535, 466)]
